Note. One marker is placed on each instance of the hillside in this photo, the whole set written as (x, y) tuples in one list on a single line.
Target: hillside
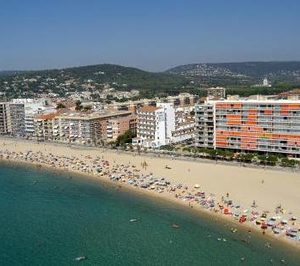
[(237, 77), (246, 73), (65, 80)]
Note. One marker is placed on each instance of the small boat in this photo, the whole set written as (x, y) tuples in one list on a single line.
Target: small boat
[(176, 226), (133, 220), (233, 230), (81, 258)]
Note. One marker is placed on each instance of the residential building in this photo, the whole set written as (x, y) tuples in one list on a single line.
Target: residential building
[(249, 125), (12, 119), (216, 93), (4, 128), (119, 125), (94, 128), (17, 119), (204, 125), (33, 107), (46, 127), (183, 99)]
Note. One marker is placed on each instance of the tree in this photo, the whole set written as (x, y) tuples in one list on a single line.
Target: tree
[(78, 105), (286, 162), (60, 106), (246, 157), (87, 108), (125, 138)]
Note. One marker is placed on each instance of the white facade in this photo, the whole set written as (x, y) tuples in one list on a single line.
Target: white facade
[(33, 107), (160, 125)]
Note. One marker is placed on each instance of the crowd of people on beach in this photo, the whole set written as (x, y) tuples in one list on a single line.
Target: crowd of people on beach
[(283, 223)]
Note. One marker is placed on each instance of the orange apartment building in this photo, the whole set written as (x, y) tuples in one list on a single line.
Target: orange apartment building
[(265, 125)]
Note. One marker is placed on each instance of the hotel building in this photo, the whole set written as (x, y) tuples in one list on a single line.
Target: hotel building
[(161, 125), (249, 125)]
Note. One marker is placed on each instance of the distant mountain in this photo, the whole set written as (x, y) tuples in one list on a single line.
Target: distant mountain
[(10, 73), (243, 73)]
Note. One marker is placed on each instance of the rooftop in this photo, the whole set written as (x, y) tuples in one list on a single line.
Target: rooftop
[(149, 108), (254, 101), (93, 115)]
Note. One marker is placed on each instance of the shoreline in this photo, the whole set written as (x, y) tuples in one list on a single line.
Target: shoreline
[(175, 203), (161, 155), (128, 188)]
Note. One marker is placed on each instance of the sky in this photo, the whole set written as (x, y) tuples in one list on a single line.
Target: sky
[(150, 34)]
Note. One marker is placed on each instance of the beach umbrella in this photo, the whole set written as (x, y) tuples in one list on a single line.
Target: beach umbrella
[(196, 186)]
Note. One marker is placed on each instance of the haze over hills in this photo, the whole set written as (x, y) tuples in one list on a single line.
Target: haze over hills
[(240, 73), (181, 78)]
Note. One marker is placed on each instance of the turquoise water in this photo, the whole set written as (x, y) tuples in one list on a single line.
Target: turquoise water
[(49, 218)]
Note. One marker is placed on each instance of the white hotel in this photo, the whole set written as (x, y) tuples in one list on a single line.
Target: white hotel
[(158, 126)]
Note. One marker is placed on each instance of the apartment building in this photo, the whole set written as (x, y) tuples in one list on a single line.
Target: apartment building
[(216, 93), (119, 125), (79, 128), (12, 119), (161, 125), (204, 125), (46, 127), (183, 99), (4, 128), (254, 125), (33, 108)]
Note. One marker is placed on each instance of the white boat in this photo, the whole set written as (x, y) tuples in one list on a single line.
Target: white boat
[(81, 258)]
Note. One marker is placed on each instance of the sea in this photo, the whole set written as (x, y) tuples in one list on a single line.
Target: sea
[(52, 218)]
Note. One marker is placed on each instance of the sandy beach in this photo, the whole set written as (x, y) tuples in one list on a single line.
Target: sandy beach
[(244, 186)]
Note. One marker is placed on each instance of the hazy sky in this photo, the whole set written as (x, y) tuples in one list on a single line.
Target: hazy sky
[(150, 34)]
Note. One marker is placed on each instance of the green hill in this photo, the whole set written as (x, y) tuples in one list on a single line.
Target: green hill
[(244, 73), (118, 77), (237, 77)]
